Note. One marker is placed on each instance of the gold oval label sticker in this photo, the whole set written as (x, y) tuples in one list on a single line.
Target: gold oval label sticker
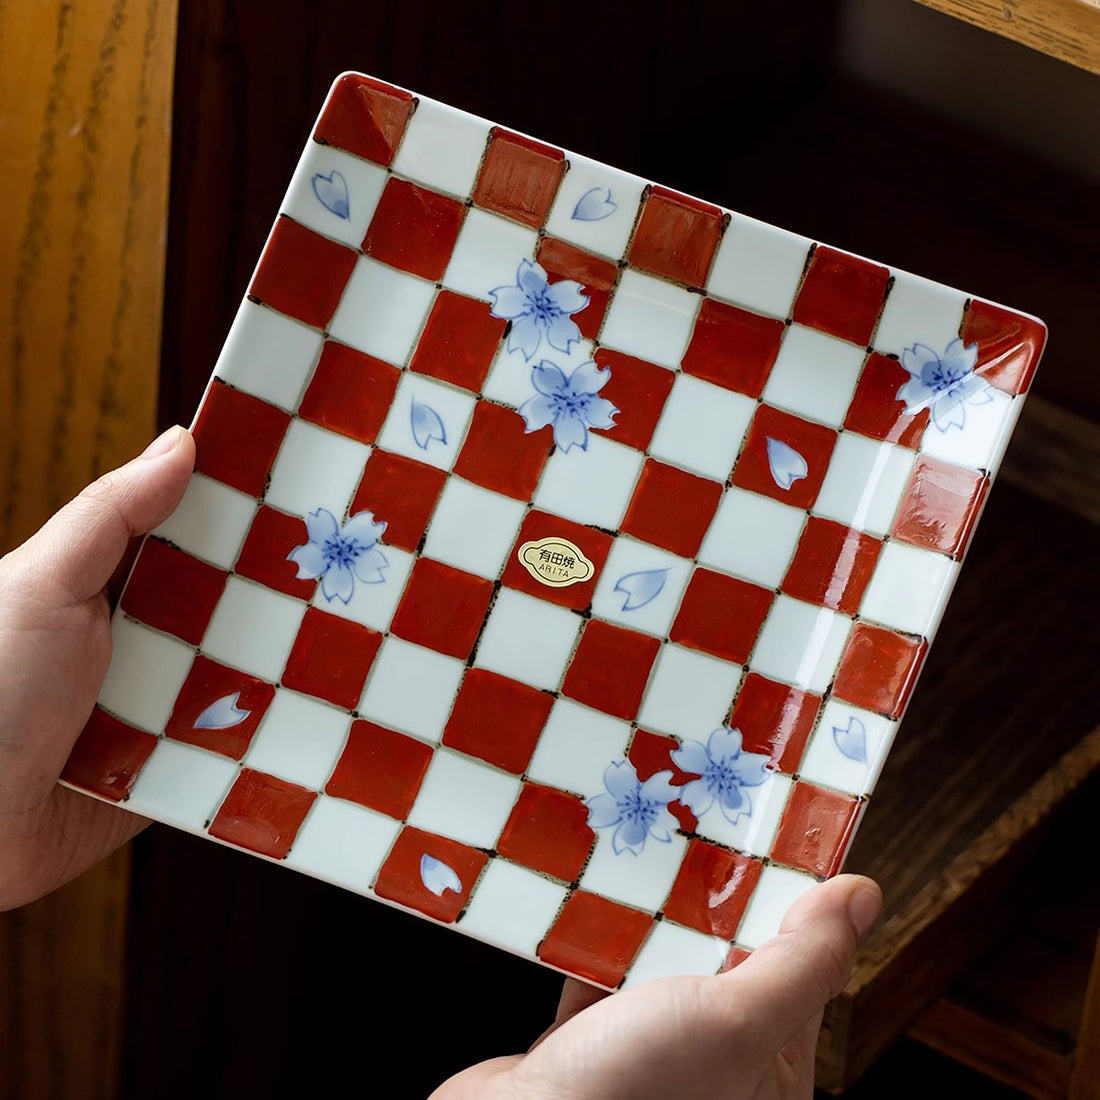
[(555, 561)]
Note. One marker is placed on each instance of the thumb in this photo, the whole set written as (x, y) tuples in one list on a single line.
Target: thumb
[(71, 558)]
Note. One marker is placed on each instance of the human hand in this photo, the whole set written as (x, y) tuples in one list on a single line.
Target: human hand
[(745, 1035), (56, 592)]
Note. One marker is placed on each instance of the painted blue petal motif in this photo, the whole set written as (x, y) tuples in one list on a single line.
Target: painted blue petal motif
[(943, 383), (594, 205), (332, 193), (851, 740), (437, 876), (426, 425), (338, 555), (222, 714), (641, 588), (787, 465)]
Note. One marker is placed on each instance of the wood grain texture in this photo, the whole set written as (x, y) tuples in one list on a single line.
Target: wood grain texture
[(85, 90), (1085, 1082), (1066, 29)]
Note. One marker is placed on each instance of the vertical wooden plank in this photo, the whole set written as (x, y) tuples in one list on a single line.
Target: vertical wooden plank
[(85, 109)]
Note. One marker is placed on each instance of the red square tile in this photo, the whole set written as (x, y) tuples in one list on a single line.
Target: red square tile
[(651, 753), (565, 261), (501, 454), (639, 391), (672, 508), (350, 392), (841, 295), (414, 229), (540, 525), (519, 177), (402, 492), (774, 719), (442, 608), (237, 437), (875, 410), (302, 274), (712, 890), (380, 769), (815, 829), (732, 347), (365, 117), (497, 719), (330, 658), (401, 878), (770, 433), (548, 831), (721, 615), (736, 956), (262, 813), (272, 536), (610, 668), (108, 756), (172, 591), (459, 342), (595, 938), (878, 669), (223, 692), (1009, 344), (676, 237), (940, 506), (832, 565)]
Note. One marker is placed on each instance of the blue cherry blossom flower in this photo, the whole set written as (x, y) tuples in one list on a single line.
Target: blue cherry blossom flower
[(538, 309), (943, 384), (340, 555), (570, 404), (637, 810), (724, 770)]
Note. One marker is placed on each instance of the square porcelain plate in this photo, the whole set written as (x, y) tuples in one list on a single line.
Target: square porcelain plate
[(562, 550)]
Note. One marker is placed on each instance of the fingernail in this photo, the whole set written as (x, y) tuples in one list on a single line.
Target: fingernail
[(163, 443), (863, 909)]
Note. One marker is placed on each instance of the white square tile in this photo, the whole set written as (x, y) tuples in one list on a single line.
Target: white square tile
[(512, 907), (918, 311), (146, 674), (981, 441), (847, 749), (382, 311), (672, 950), (268, 355), (343, 843), (592, 486), (528, 639), (758, 267), (643, 879), (372, 605), (487, 254), (650, 318), (182, 785), (864, 483), (442, 147), (701, 427), (595, 207), (427, 421), (210, 522), (575, 747), (299, 739), (800, 644), (464, 799), (689, 693), (640, 586), (753, 832), (473, 529), (315, 469), (909, 588), (253, 628), (411, 689), (510, 377), (777, 890), (752, 536), (334, 193), (814, 375)]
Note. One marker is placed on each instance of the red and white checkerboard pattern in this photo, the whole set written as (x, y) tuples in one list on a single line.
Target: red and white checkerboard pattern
[(463, 711)]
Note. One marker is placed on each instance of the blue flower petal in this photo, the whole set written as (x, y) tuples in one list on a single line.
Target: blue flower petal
[(562, 333), (548, 379), (734, 804), (594, 205), (332, 193), (691, 757), (369, 565), (724, 745), (309, 559), (566, 295), (438, 877), (697, 797), (338, 583), (603, 810), (663, 825), (537, 411), (509, 302), (427, 425), (658, 789), (641, 588), (320, 525), (787, 465), (851, 740), (629, 837), (570, 432), (525, 336), (620, 778), (222, 714), (916, 358), (531, 278), (363, 529), (588, 378)]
